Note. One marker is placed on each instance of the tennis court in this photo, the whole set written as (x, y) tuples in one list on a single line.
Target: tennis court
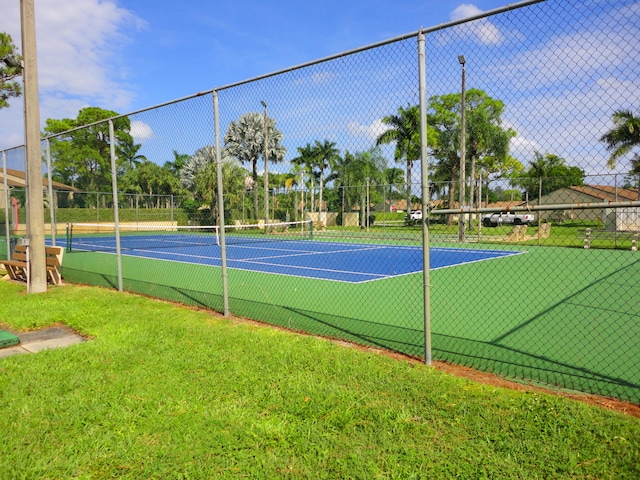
[(336, 261), (513, 311)]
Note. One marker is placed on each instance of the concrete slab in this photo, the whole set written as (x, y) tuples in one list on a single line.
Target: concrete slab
[(8, 352), (43, 339), (59, 342)]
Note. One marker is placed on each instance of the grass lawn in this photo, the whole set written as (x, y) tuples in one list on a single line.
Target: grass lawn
[(162, 391)]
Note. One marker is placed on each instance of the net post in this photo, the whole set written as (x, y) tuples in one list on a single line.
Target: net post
[(68, 237)]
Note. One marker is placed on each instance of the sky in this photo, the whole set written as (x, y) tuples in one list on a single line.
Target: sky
[(129, 55)]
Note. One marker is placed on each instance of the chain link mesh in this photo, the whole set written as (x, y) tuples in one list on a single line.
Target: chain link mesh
[(534, 275)]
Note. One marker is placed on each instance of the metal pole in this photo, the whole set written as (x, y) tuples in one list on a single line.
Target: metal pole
[(6, 204), (463, 152), (426, 266), (52, 210), (35, 213), (114, 188), (266, 170), (222, 235)]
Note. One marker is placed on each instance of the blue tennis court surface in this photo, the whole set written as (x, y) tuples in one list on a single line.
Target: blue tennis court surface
[(336, 261)]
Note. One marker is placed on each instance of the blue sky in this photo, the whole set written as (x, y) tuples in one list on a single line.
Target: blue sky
[(129, 55)]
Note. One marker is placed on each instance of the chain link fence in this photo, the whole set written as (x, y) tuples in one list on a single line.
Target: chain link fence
[(530, 242)]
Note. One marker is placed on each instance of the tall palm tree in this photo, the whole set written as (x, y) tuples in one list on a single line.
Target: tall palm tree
[(245, 141), (623, 137), (404, 131), (129, 156), (326, 156)]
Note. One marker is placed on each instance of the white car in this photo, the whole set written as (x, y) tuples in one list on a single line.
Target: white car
[(413, 217), (507, 218)]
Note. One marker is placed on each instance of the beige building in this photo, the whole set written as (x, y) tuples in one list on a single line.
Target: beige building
[(611, 219), (16, 179)]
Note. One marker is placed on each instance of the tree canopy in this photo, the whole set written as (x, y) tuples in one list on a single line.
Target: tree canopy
[(10, 68), (245, 140), (623, 137), (547, 173), (82, 157)]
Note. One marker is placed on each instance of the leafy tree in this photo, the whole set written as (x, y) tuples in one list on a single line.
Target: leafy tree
[(487, 141), (10, 68), (200, 176), (245, 141), (359, 170), (623, 137), (404, 131), (82, 157), (547, 173)]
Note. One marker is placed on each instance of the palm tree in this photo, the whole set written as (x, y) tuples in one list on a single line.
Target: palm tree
[(623, 137), (326, 156), (199, 175), (404, 130), (129, 156), (179, 161), (306, 162), (245, 141)]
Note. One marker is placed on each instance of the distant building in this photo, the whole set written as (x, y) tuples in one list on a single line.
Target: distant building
[(16, 179), (611, 219)]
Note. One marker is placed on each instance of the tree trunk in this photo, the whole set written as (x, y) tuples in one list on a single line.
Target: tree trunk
[(255, 190), (409, 165)]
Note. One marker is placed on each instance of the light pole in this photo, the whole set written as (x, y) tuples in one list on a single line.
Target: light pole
[(463, 153), (266, 170)]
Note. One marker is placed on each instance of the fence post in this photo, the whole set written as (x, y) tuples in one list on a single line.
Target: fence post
[(223, 241), (52, 211), (116, 217), (6, 204), (422, 73)]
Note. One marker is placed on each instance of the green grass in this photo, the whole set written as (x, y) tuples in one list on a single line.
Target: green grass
[(560, 316), (167, 392)]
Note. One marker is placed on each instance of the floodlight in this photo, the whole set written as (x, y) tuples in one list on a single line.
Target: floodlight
[(461, 59)]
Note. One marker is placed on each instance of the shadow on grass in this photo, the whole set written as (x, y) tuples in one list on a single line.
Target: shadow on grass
[(488, 356)]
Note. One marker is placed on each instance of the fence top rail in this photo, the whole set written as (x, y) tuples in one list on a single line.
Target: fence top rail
[(536, 208), (399, 38), (442, 26)]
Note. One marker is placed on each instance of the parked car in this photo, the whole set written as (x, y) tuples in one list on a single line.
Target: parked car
[(508, 218), (413, 217)]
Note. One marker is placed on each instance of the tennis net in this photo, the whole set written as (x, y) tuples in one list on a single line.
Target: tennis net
[(101, 237)]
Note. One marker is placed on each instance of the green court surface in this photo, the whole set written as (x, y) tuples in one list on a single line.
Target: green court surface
[(8, 339), (567, 317)]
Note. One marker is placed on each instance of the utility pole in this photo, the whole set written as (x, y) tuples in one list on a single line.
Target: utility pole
[(463, 153), (35, 201), (266, 170)]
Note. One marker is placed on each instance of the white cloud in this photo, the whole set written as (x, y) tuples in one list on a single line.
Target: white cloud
[(316, 78), (140, 131), (370, 132), (481, 30), (78, 64)]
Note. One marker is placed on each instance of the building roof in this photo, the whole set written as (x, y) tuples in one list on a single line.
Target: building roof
[(608, 193), (16, 178)]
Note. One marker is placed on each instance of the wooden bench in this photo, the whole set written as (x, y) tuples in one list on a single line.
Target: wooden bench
[(591, 235), (17, 267)]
